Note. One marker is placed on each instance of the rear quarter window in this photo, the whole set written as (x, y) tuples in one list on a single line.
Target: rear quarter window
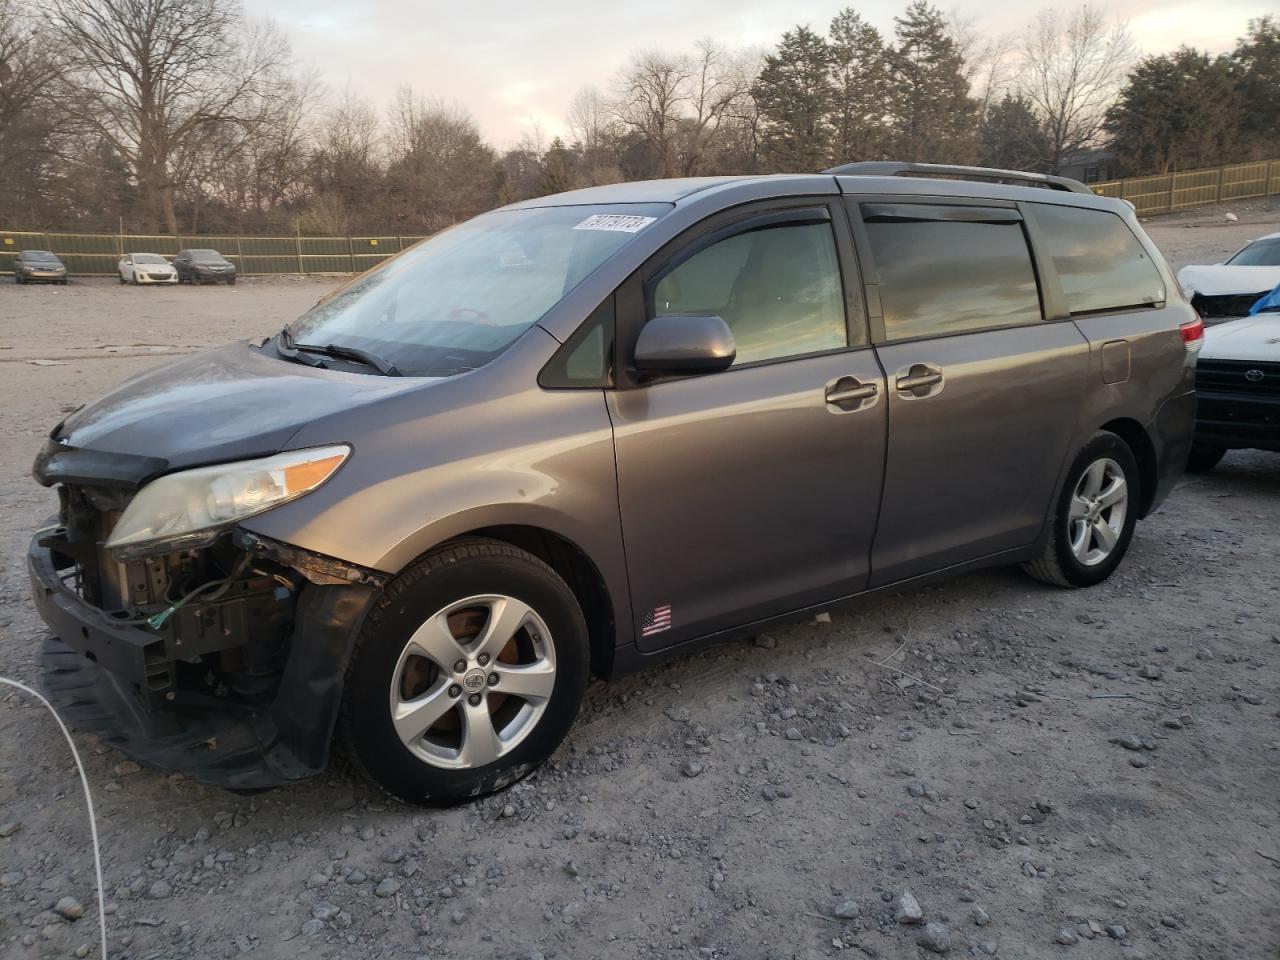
[(1100, 262)]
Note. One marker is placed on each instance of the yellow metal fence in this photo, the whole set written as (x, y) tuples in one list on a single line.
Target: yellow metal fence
[(96, 254), (1169, 192)]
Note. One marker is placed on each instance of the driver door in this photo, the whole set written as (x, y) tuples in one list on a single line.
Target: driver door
[(750, 492)]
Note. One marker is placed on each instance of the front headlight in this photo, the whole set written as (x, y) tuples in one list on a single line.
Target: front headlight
[(193, 505)]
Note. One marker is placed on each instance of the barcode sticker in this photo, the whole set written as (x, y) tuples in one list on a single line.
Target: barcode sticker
[(616, 222)]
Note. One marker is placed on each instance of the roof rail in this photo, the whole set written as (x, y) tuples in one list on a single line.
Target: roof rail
[(896, 168)]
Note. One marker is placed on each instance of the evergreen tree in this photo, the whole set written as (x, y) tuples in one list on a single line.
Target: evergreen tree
[(794, 94), (1257, 60), (557, 168), (932, 113), (1177, 111), (861, 85), (1012, 137)]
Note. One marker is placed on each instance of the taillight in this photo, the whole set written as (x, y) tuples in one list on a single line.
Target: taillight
[(1193, 334)]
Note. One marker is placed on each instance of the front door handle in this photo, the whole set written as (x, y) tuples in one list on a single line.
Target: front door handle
[(849, 394), (919, 380)]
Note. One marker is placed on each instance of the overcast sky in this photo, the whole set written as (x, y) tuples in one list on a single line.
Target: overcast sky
[(514, 65)]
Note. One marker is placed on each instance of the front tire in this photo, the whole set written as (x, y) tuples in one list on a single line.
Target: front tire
[(1094, 516), (466, 675), (1204, 457)]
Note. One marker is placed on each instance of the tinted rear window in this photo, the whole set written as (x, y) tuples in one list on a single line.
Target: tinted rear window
[(1100, 262), (939, 277)]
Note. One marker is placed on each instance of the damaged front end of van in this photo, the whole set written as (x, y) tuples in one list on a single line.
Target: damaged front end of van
[(212, 651)]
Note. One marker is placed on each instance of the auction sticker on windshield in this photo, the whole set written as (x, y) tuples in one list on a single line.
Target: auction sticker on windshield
[(617, 222)]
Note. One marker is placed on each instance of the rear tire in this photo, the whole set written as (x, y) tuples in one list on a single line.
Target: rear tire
[(1093, 518), (494, 610), (1204, 457)]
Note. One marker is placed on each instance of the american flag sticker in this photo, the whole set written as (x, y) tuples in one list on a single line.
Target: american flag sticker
[(656, 620)]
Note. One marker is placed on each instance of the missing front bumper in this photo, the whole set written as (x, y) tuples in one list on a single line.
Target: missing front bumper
[(116, 680)]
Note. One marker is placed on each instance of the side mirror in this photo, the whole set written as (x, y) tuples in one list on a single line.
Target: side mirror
[(685, 344)]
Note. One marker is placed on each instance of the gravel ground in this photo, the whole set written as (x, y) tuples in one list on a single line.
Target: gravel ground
[(985, 767)]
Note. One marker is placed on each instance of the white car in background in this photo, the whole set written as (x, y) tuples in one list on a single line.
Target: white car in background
[(1229, 289), (1237, 389), (146, 268)]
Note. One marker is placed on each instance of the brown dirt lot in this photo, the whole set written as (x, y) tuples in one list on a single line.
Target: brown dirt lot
[(990, 786)]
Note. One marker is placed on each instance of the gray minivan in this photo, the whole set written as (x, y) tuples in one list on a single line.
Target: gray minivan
[(586, 432)]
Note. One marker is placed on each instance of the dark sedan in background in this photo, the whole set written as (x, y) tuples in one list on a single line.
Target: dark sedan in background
[(38, 266), (204, 266)]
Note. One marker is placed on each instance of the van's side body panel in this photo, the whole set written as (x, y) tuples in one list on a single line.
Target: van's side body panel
[(972, 471), (744, 495)]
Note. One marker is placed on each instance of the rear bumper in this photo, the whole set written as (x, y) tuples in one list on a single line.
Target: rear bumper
[(1171, 435), (1238, 421), (102, 675)]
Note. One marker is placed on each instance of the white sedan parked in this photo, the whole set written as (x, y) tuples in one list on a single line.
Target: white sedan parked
[(146, 268)]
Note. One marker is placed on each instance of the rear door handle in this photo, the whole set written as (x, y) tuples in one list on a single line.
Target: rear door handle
[(919, 380), (849, 394)]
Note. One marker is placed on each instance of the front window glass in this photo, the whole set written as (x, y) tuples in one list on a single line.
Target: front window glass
[(459, 299), (778, 289), (1260, 253), (148, 258)]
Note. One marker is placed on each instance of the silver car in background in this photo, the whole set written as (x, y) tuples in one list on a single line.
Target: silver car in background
[(39, 266), (587, 432)]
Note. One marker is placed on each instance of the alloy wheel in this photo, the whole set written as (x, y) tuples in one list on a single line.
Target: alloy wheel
[(1097, 512), (473, 681)]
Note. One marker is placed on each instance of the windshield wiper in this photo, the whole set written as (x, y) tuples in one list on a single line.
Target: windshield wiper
[(340, 352)]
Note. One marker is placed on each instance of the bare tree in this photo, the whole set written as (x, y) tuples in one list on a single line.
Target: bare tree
[(440, 170), (1072, 66), (988, 60), (595, 130), (741, 125), (154, 77), (652, 94), (591, 121), (713, 87), (29, 141)]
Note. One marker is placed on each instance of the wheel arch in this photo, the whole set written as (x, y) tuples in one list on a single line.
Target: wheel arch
[(573, 565), (1139, 441)]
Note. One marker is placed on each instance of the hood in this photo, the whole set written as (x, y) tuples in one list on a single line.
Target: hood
[(1222, 281), (230, 403), (1250, 338)]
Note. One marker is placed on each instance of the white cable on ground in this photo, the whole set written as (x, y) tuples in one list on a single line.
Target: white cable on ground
[(88, 799)]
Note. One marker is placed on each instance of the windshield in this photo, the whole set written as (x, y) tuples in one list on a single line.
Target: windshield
[(457, 300), (37, 255), (148, 258), (205, 255), (1260, 253)]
